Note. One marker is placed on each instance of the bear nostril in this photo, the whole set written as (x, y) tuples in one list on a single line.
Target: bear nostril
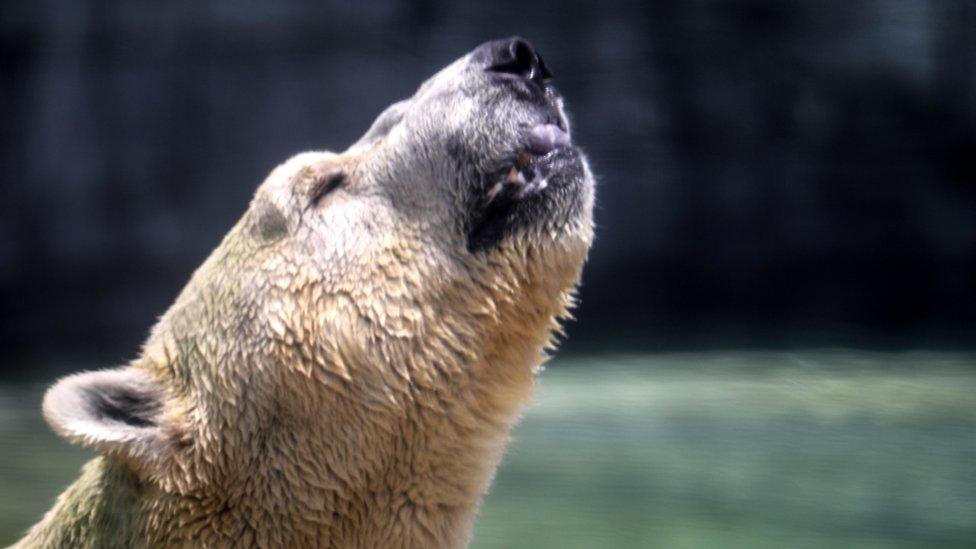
[(517, 56)]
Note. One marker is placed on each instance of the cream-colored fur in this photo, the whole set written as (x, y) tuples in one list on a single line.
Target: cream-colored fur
[(341, 371)]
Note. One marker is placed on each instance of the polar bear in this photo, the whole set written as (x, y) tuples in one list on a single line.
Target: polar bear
[(344, 369)]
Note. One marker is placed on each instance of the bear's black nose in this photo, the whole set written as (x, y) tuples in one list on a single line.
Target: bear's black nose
[(516, 56)]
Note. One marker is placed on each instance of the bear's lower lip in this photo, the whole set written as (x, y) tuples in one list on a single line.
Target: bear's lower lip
[(529, 175)]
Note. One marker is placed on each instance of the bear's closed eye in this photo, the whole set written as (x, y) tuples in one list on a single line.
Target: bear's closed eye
[(325, 185)]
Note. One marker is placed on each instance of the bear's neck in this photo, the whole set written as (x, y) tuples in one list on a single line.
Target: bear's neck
[(99, 510)]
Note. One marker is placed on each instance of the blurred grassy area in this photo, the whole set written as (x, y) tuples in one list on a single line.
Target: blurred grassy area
[(765, 449), (35, 465)]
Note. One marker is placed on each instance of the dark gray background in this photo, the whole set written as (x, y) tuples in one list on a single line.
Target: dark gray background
[(771, 173)]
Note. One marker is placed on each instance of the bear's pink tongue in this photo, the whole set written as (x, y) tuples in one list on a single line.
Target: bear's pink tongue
[(546, 137)]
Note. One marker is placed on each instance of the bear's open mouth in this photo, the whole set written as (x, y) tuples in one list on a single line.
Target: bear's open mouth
[(529, 174), (545, 166)]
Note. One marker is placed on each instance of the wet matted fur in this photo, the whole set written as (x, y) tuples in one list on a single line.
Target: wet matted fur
[(344, 369)]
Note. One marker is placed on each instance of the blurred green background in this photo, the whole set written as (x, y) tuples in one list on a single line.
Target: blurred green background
[(719, 449)]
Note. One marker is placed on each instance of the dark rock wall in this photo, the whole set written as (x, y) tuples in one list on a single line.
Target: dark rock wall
[(771, 172)]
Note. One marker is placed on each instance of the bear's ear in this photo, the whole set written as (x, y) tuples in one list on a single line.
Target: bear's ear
[(118, 412)]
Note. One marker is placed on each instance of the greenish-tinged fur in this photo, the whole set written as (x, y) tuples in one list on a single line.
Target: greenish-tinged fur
[(98, 511)]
